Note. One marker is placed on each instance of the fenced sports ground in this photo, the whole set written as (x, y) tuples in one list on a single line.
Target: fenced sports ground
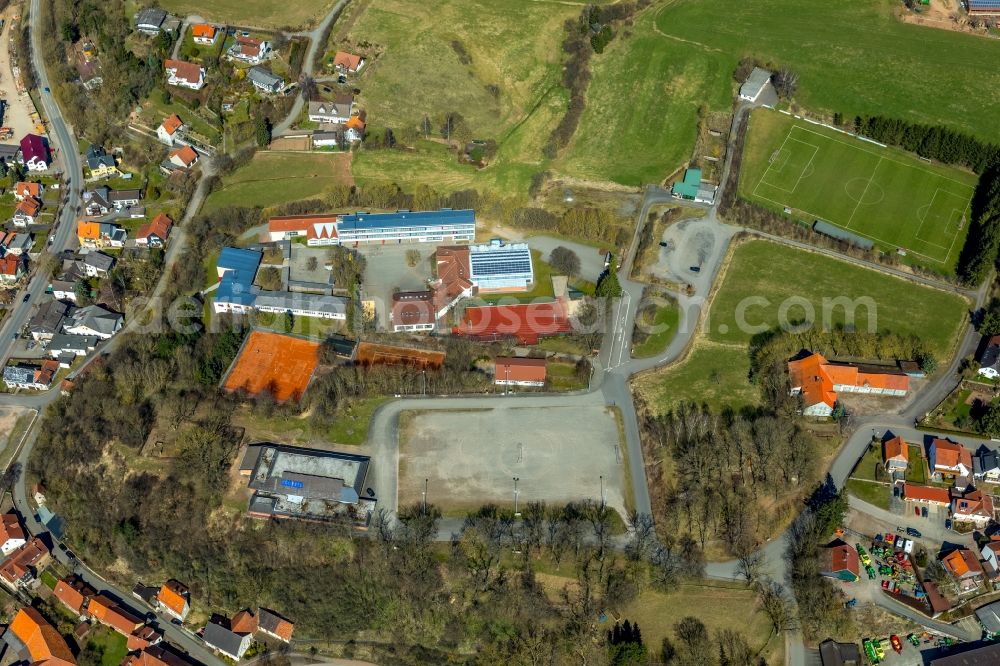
[(893, 198)]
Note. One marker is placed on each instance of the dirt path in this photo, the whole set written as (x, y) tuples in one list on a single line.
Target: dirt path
[(17, 114)]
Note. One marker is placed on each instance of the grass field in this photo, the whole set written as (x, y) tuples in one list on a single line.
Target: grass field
[(869, 491), (897, 305), (496, 64), (852, 57), (883, 194), (664, 320), (713, 374), (276, 178), (640, 121), (254, 13)]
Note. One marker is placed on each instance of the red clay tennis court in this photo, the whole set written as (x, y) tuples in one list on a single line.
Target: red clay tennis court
[(373, 354), (278, 363)]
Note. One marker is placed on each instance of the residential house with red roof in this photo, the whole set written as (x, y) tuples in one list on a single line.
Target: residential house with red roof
[(895, 454), (36, 641), (519, 371), (174, 599), (818, 381), (142, 638), (11, 533), (840, 561), (35, 153), (106, 610), (974, 507), (22, 567), (348, 62), (250, 49), (929, 495), (155, 232), (171, 129), (184, 157), (949, 460), (184, 74), (12, 267), (74, 593), (26, 211)]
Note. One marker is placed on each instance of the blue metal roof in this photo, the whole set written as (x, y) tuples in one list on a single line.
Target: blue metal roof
[(233, 289), (984, 4), (242, 261), (421, 218)]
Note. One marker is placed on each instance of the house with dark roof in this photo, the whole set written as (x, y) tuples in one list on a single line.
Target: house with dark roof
[(35, 153), (752, 88), (97, 264), (986, 465), (73, 345), (95, 321), (989, 358), (273, 625), (264, 80), (225, 640), (101, 164), (832, 653), (47, 320), (339, 110), (150, 20)]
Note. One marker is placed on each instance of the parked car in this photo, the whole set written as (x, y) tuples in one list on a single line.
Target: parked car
[(663, 243), (947, 523), (923, 511), (695, 269), (26, 297), (913, 533), (916, 511)]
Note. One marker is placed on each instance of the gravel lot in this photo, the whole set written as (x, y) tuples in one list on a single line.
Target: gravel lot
[(387, 269), (471, 457), (591, 261)]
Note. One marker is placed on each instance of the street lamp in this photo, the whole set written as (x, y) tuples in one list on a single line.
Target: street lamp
[(602, 491), (517, 513), (425, 497)]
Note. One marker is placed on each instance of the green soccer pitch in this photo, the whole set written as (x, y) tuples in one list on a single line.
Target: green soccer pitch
[(884, 194)]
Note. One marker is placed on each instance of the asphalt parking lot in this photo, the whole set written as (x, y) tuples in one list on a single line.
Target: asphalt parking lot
[(471, 457)]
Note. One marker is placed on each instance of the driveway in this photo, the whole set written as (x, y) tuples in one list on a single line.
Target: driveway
[(591, 260)]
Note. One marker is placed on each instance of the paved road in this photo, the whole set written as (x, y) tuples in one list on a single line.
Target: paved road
[(309, 64)]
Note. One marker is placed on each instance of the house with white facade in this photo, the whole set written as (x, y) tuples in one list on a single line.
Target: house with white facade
[(184, 74)]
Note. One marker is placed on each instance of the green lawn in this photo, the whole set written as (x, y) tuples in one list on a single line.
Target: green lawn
[(764, 278), (263, 13), (542, 287), (111, 644), (352, 426), (155, 111), (852, 57), (562, 377), (663, 328), (873, 493), (712, 374), (48, 579), (640, 122), (916, 471), (869, 468), (276, 178), (884, 194)]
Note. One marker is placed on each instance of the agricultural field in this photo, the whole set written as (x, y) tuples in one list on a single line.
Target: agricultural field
[(640, 122), (752, 300), (852, 57), (276, 178), (884, 194), (254, 13), (496, 64)]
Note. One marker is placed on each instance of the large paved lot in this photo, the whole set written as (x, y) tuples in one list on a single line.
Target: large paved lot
[(470, 458), (387, 270)]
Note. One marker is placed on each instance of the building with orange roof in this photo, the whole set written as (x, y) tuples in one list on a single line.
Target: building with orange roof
[(318, 229), (12, 267), (203, 33), (964, 566), (37, 641), (244, 622), (11, 533), (184, 157), (413, 311), (24, 190), (155, 232), (142, 637), (170, 130), (275, 626), (818, 381), (930, 495), (518, 371), (26, 211), (22, 567), (155, 655), (174, 598), (74, 593), (949, 460), (106, 610), (88, 233), (895, 454), (348, 62)]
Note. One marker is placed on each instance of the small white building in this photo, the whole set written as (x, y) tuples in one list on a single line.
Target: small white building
[(754, 85)]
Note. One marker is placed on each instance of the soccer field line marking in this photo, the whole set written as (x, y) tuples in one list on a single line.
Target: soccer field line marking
[(930, 207), (971, 188), (871, 179), (763, 176), (869, 236), (802, 173)]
